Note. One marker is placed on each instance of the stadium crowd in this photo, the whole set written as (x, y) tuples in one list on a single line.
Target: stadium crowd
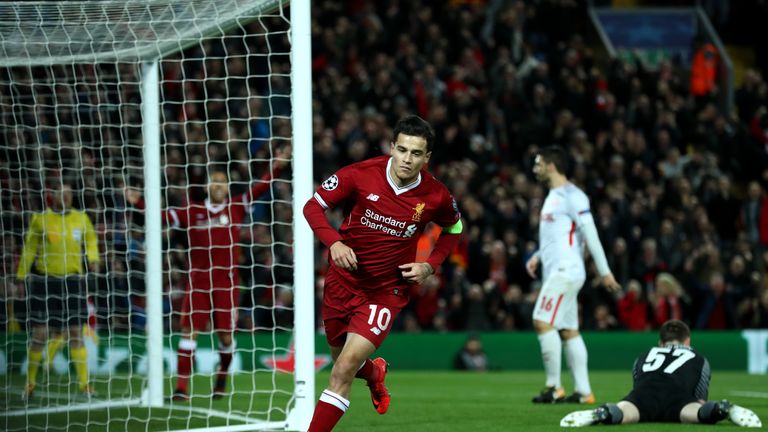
[(679, 188)]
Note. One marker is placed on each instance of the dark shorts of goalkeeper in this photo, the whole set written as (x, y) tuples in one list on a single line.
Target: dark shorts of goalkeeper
[(56, 302), (659, 407)]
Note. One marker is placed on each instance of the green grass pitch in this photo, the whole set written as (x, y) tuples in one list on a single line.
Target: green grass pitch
[(421, 401)]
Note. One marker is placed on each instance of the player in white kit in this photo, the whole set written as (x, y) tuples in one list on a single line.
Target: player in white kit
[(565, 226)]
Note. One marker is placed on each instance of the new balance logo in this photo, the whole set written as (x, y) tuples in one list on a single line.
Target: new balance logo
[(373, 197), (376, 330)]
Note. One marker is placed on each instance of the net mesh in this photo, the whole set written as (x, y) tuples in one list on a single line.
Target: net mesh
[(89, 31)]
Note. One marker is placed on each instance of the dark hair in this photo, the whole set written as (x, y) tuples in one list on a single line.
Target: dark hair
[(556, 156), (414, 125), (674, 330), (216, 168)]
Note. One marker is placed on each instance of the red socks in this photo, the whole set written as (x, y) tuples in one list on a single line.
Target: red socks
[(186, 357), (328, 412), (368, 372), (332, 406), (225, 358)]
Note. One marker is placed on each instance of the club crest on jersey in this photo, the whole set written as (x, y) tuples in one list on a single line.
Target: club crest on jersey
[(418, 210), (331, 183)]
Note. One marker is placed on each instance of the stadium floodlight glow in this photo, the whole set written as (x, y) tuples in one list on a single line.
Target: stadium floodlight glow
[(113, 97)]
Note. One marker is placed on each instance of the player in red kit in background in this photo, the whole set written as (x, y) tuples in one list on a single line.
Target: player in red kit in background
[(386, 201), (213, 230)]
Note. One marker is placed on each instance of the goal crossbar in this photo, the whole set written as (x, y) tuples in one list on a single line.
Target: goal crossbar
[(53, 32)]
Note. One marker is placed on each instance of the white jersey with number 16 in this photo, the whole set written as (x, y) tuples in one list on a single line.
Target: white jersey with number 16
[(561, 245)]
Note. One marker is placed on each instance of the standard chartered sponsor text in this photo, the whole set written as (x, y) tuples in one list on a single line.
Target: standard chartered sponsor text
[(387, 224)]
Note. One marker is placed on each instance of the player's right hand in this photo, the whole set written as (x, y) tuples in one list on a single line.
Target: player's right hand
[(343, 256), (610, 283), (531, 266)]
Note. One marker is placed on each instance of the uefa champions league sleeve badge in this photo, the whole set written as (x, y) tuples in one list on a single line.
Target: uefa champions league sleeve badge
[(331, 183)]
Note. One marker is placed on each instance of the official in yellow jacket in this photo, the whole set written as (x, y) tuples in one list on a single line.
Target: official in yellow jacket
[(54, 245)]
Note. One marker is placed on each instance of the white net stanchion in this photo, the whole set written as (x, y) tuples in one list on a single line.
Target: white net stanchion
[(135, 108)]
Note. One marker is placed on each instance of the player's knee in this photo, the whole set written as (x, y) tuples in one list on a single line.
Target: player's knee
[(566, 334), (541, 326), (629, 412), (225, 339)]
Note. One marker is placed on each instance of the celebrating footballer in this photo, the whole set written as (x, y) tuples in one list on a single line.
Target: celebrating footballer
[(386, 201)]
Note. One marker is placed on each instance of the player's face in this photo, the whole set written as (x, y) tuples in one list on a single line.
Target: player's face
[(62, 198), (409, 154), (218, 190), (541, 169)]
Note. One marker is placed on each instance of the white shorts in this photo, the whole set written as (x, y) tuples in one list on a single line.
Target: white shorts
[(558, 303)]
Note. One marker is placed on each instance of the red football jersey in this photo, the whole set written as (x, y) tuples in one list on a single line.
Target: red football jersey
[(213, 233), (382, 222)]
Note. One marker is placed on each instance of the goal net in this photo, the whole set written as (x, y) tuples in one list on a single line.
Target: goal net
[(150, 154)]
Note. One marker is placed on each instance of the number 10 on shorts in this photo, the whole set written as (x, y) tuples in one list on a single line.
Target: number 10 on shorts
[(381, 316)]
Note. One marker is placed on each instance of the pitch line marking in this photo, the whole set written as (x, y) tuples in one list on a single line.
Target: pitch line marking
[(753, 394)]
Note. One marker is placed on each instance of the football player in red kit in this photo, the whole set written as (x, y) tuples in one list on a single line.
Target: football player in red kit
[(387, 201), (213, 231)]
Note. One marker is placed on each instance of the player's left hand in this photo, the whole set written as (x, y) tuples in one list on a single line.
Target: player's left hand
[(609, 282), (416, 273)]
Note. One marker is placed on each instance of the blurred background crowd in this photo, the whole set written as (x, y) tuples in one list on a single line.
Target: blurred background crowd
[(678, 187)]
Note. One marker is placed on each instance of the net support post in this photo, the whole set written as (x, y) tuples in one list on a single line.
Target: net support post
[(150, 113), (304, 262)]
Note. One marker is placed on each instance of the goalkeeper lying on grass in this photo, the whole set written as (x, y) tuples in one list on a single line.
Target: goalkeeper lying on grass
[(671, 383)]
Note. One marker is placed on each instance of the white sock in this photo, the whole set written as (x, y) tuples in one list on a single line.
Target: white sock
[(552, 354), (576, 354), (334, 399)]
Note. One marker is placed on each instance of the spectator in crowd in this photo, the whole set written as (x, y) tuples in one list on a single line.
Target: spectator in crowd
[(471, 357), (648, 264), (633, 307), (603, 319), (755, 311), (718, 309), (668, 299), (755, 215), (618, 260)]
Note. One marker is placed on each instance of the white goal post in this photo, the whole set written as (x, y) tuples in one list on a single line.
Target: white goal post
[(67, 118)]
